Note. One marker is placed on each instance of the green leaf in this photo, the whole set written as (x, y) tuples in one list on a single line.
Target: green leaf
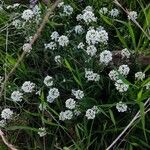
[(68, 65), (112, 116), (139, 95), (142, 112)]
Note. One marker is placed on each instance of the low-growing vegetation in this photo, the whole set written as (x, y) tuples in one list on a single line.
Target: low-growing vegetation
[(75, 75)]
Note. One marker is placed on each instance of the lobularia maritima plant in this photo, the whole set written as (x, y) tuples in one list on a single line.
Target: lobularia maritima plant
[(69, 82)]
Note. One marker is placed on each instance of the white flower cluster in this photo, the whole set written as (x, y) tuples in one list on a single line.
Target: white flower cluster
[(114, 13), (105, 57), (37, 12), (113, 74), (139, 75), (124, 70), (91, 50), (27, 47), (48, 80), (28, 87), (65, 115), (27, 14), (90, 114), (52, 95), (70, 103), (42, 132), (103, 10), (91, 76), (81, 45), (7, 113), (16, 96), (132, 15), (79, 17), (125, 53), (121, 86), (17, 23), (78, 29), (67, 9), (93, 37), (55, 36), (121, 107), (63, 40), (78, 94), (88, 15), (51, 45)]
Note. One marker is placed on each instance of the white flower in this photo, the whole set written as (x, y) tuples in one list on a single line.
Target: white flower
[(96, 109), (79, 17), (125, 53), (63, 40), (17, 24), (103, 36), (16, 96), (58, 59), (68, 10), (54, 35), (50, 99), (121, 107), (114, 13), (2, 123), (27, 14), (36, 10), (51, 45), (53, 93), (28, 87), (48, 81), (60, 4), (7, 113), (132, 15), (121, 86), (91, 50), (78, 94), (139, 75), (42, 132), (113, 75), (147, 85), (92, 37), (124, 70), (66, 115), (78, 29), (27, 47), (61, 116), (77, 112), (89, 17), (105, 57), (70, 103), (81, 45), (42, 106), (91, 76), (103, 10), (90, 114), (88, 8)]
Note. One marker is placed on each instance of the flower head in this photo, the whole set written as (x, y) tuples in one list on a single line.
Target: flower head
[(16, 96), (121, 107), (7, 113)]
